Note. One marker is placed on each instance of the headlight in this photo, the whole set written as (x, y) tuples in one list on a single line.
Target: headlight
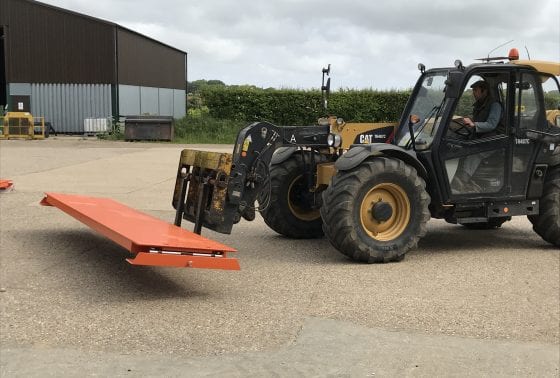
[(334, 140)]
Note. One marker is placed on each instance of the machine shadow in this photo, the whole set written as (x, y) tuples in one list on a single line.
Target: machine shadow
[(445, 239), (450, 238), (97, 267)]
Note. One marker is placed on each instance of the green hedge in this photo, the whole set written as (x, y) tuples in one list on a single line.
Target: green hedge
[(300, 107), (217, 112), (552, 101), (202, 128)]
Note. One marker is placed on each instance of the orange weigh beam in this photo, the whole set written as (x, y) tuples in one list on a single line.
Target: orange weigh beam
[(153, 241)]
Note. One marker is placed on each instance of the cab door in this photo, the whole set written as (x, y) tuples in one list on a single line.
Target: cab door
[(485, 156), (529, 114)]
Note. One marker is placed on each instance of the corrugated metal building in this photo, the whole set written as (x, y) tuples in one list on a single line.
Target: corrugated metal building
[(69, 67)]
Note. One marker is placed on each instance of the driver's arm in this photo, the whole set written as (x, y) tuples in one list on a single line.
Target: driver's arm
[(493, 119)]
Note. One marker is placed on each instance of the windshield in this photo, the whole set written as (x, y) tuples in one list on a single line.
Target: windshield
[(422, 120)]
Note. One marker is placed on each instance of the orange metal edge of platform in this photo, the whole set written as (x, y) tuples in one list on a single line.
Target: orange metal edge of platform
[(210, 260), (6, 184), (185, 261)]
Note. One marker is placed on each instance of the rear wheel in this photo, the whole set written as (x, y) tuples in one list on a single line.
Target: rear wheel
[(290, 208), (377, 211), (547, 223)]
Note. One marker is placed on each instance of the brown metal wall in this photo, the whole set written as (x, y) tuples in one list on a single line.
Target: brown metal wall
[(50, 45), (46, 44), (145, 62)]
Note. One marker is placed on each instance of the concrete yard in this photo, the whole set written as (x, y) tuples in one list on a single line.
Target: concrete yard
[(464, 303)]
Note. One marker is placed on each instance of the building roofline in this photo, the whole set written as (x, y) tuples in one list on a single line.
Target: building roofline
[(101, 21)]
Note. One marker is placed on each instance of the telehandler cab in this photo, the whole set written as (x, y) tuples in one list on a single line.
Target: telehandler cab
[(369, 188)]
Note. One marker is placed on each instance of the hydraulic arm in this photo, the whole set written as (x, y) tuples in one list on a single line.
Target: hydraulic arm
[(215, 190)]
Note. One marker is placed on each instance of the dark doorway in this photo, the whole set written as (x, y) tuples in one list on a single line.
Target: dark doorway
[(20, 104), (3, 86)]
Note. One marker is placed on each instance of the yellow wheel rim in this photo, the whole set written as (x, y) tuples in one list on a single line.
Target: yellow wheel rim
[(393, 227), (296, 201)]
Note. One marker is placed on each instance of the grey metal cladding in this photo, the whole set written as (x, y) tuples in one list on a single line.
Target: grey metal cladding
[(179, 103), (149, 101), (20, 89), (66, 106), (166, 102), (129, 99)]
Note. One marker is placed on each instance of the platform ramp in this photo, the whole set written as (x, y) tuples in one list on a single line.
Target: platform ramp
[(151, 240)]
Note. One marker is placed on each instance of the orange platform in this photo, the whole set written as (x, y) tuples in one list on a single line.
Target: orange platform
[(151, 240), (6, 185)]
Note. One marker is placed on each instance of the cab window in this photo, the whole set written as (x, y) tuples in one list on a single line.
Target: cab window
[(527, 101)]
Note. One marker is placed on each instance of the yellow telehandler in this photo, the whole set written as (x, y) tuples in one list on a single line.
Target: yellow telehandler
[(371, 188)]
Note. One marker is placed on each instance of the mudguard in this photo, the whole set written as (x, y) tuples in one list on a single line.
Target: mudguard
[(360, 152), (282, 154)]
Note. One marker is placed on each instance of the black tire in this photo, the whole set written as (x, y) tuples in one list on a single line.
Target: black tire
[(491, 224), (290, 210), (547, 223), (348, 205)]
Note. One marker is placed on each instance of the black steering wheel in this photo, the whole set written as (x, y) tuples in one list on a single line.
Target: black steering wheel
[(460, 128)]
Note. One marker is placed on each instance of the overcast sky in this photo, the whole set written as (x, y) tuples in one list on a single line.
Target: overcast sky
[(370, 44)]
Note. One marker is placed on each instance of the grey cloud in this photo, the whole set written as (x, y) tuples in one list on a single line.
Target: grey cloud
[(370, 43)]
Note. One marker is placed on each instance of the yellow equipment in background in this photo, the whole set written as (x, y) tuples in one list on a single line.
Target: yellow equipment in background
[(22, 125), (553, 116)]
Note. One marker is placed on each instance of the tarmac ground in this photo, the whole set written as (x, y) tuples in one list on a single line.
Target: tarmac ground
[(464, 303)]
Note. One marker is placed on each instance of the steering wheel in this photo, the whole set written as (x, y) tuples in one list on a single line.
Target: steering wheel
[(460, 128)]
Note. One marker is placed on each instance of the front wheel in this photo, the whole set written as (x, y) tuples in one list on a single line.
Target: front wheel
[(291, 208), (547, 223), (377, 211)]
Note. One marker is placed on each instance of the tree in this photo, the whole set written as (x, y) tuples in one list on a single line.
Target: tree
[(194, 86)]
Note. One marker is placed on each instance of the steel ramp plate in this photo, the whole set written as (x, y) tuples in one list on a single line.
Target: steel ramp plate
[(153, 241)]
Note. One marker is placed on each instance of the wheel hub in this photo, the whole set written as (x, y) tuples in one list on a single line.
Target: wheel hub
[(385, 211), (382, 211)]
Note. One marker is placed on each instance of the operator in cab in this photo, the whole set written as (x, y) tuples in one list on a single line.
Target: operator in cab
[(486, 111)]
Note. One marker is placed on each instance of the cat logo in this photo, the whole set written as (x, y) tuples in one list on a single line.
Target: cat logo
[(293, 139), (369, 138), (365, 139)]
